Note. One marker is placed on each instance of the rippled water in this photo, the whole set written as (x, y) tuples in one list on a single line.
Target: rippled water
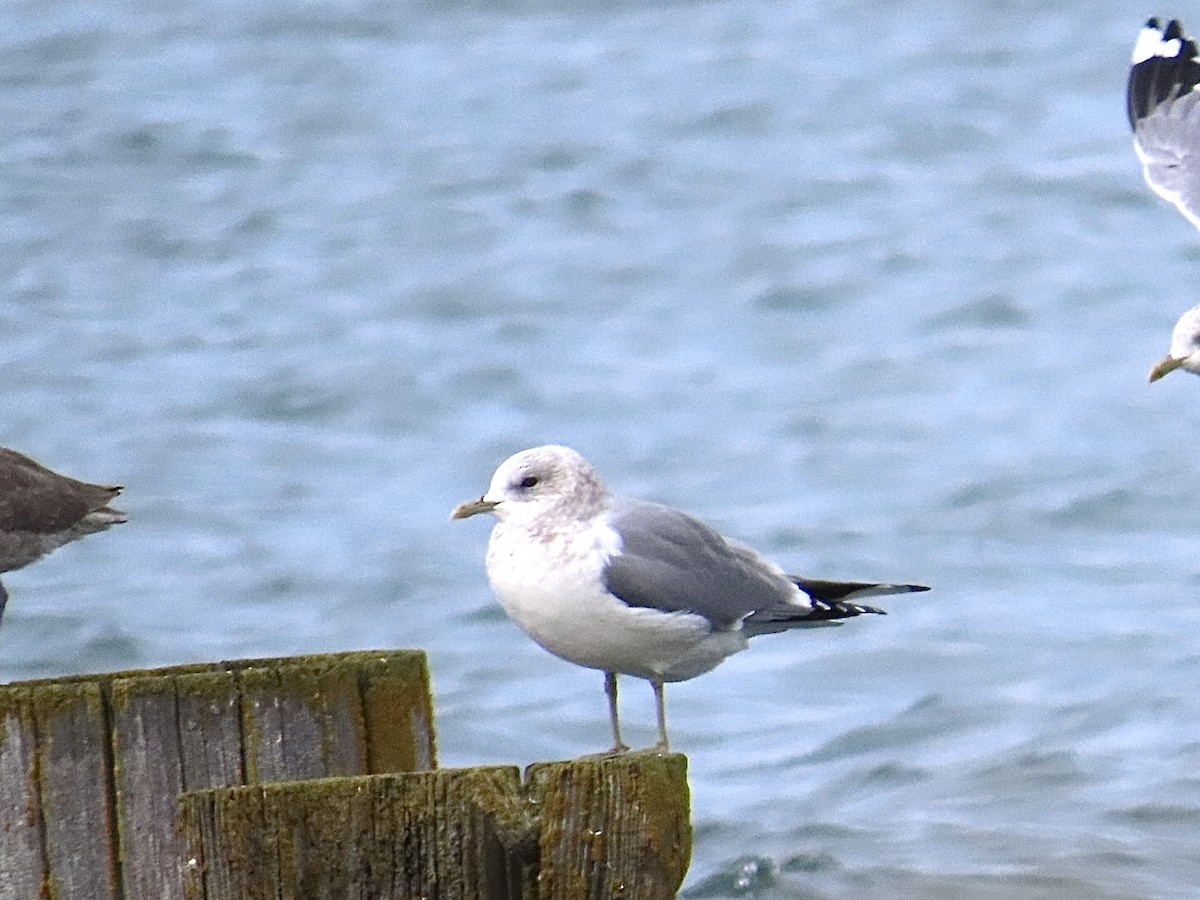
[(872, 286)]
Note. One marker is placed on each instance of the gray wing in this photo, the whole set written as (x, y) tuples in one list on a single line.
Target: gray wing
[(1164, 112), (673, 562)]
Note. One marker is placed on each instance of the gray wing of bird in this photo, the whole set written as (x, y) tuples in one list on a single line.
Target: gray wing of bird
[(673, 562)]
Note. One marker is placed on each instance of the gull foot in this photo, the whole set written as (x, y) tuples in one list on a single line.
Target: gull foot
[(615, 750)]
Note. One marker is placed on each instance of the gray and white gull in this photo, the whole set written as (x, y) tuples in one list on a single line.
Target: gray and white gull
[(1164, 113), (41, 510), (631, 587)]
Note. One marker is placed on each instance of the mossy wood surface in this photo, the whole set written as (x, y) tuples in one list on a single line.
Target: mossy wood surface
[(613, 828), (91, 767), (589, 829)]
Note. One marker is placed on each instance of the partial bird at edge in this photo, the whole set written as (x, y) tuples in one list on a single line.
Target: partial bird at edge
[(41, 510)]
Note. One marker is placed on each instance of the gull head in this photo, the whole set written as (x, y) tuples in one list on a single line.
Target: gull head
[(1185, 347), (551, 481)]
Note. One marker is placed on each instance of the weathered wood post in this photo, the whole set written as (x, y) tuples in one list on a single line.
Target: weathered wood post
[(587, 829), (616, 827), (91, 766), (309, 777)]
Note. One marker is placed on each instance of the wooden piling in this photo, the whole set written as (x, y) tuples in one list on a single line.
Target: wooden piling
[(308, 777), (618, 827), (587, 829), (91, 766)]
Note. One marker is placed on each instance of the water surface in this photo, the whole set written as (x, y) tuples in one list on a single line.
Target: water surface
[(873, 287)]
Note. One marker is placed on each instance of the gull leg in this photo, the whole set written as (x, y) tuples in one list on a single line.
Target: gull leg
[(660, 705), (3, 600), (610, 688)]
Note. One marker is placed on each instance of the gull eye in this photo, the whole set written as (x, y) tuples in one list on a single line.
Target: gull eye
[(529, 481)]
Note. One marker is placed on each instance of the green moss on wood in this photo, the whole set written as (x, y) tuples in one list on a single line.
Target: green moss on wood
[(578, 830), (403, 835), (351, 710), (611, 823), (399, 712), (51, 700), (14, 705), (303, 720)]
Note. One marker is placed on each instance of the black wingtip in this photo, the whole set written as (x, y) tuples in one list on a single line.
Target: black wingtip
[(825, 591), (1160, 73)]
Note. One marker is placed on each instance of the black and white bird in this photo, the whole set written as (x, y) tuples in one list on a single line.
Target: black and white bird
[(636, 588), (1164, 113), (41, 510)]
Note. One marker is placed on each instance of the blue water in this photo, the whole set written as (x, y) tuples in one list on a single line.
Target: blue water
[(874, 287)]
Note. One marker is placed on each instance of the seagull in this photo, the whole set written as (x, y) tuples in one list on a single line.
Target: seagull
[(41, 510), (1185, 347), (631, 587), (1164, 112)]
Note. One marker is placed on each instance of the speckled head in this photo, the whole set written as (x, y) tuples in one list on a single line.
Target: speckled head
[(550, 480)]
